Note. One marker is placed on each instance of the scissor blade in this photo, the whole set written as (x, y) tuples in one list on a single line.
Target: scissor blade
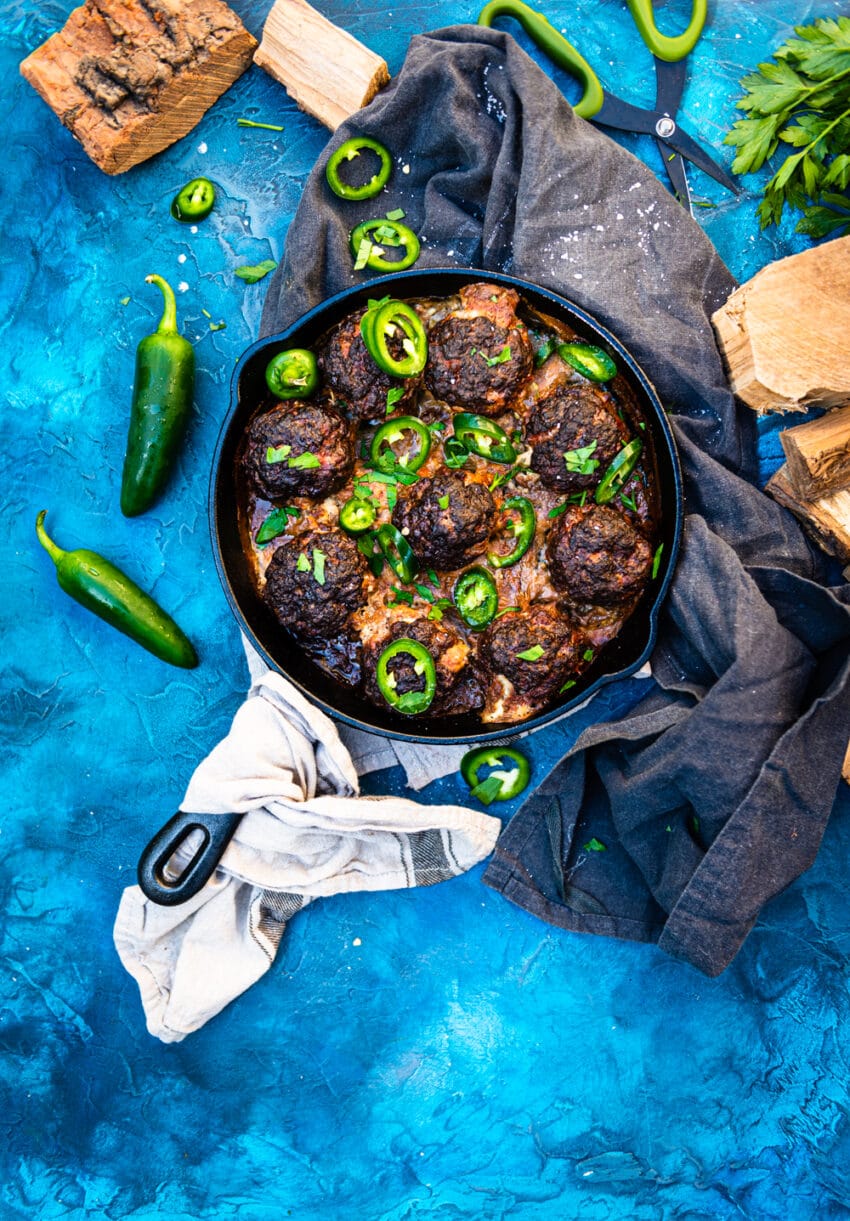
[(675, 167), (684, 144)]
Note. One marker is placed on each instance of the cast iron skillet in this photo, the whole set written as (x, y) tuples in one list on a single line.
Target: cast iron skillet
[(622, 657)]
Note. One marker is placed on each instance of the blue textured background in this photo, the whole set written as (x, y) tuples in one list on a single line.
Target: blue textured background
[(410, 1055)]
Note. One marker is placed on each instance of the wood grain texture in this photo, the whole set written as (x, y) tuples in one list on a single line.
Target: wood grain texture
[(128, 78), (818, 454), (324, 69), (783, 334), (826, 520)]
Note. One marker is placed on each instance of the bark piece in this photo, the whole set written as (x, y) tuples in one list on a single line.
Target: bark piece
[(818, 454), (325, 70), (784, 334), (826, 520), (129, 77)]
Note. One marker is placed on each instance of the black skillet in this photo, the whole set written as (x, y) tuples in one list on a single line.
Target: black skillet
[(622, 657)]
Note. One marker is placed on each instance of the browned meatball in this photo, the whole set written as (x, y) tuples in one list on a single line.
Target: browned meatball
[(445, 535), (314, 450), (314, 582), (481, 354), (539, 627), (575, 417), (597, 556), (458, 689), (360, 387)]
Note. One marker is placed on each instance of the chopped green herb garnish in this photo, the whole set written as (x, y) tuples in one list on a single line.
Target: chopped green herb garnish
[(276, 523), (432, 577), (265, 126), (302, 563), (504, 477), (502, 358), (364, 250), (125, 301), (588, 655), (656, 560), (217, 326), (393, 395), (436, 611), (488, 790), (400, 597), (423, 591), (533, 654), (319, 558), (509, 610), (305, 462), (580, 462), (571, 682), (558, 509), (252, 273), (629, 502), (278, 453), (443, 501), (595, 845)]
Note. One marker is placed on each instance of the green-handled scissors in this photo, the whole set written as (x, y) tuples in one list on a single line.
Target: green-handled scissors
[(605, 108)]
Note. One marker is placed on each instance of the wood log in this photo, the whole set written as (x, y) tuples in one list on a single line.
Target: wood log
[(325, 70), (784, 334), (129, 77), (818, 454), (826, 520)]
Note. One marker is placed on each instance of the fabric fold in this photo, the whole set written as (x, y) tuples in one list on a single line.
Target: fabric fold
[(306, 833)]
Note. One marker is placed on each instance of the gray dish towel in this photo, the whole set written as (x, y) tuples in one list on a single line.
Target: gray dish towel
[(712, 794)]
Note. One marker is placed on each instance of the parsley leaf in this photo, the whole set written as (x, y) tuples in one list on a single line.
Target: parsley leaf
[(594, 845), (277, 453), (251, 274), (305, 462), (302, 563), (579, 461), (393, 395), (533, 654), (501, 359), (319, 558), (801, 98)]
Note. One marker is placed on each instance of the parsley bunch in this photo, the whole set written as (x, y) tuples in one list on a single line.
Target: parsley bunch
[(802, 98)]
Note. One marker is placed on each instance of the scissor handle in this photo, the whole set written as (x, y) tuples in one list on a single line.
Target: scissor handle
[(561, 52), (670, 49)]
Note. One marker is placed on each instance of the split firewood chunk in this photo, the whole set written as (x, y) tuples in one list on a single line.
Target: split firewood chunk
[(818, 454), (324, 69), (129, 77), (784, 334), (826, 520)]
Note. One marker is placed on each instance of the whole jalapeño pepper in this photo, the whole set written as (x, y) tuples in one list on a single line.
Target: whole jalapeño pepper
[(162, 399), (106, 591)]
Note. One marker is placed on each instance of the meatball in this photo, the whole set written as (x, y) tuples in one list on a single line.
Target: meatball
[(360, 387), (445, 535), (479, 355), (575, 417), (314, 582), (596, 555), (305, 432), (458, 688), (540, 627)]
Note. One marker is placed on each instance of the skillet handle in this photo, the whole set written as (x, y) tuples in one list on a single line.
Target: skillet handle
[(216, 830)]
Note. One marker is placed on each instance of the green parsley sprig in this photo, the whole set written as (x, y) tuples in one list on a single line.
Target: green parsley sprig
[(801, 98)]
